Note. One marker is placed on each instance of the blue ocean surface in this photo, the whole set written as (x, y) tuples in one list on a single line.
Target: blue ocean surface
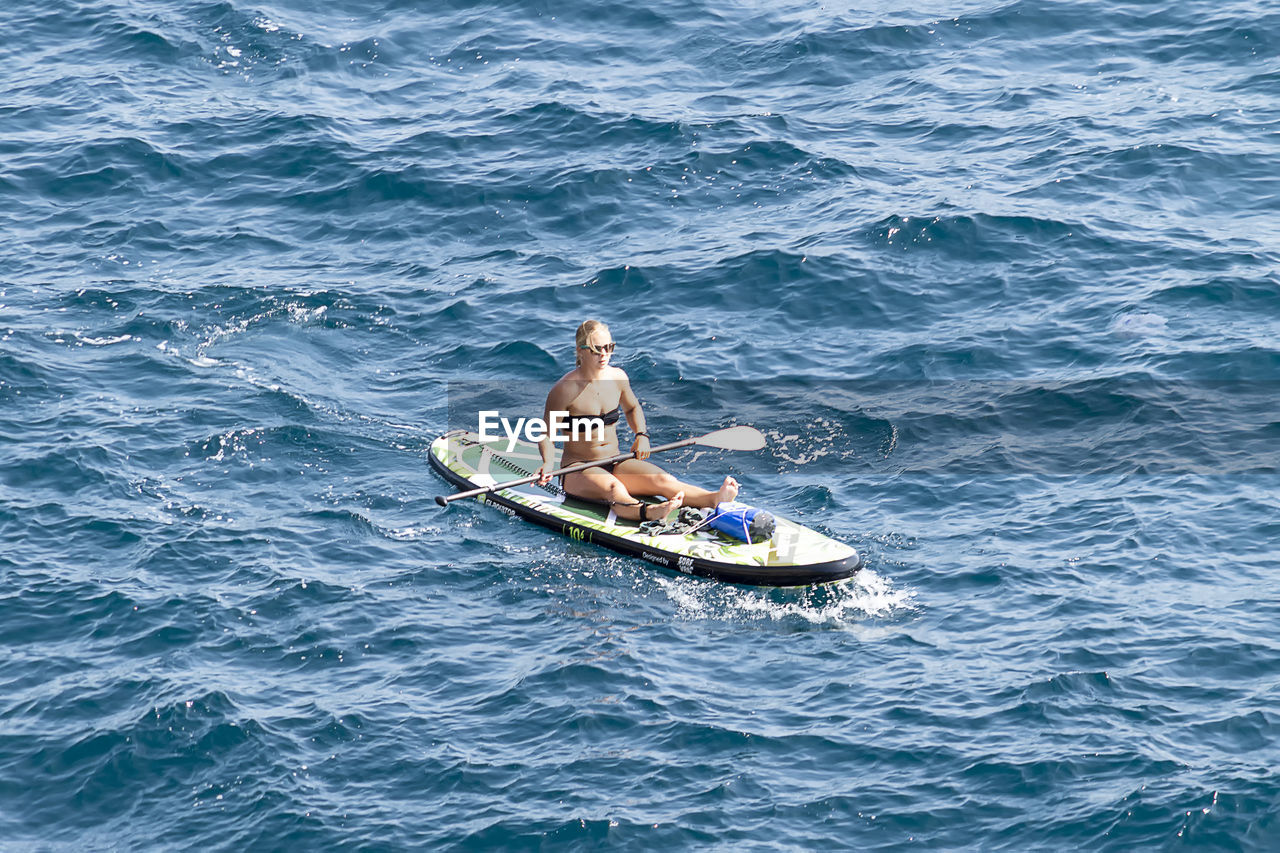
[(1000, 281)]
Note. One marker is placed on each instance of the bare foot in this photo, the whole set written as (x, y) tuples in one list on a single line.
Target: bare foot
[(658, 512), (728, 491)]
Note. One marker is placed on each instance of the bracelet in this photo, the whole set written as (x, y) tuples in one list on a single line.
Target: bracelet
[(645, 434)]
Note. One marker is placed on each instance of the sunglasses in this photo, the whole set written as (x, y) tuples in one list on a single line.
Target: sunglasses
[(600, 350)]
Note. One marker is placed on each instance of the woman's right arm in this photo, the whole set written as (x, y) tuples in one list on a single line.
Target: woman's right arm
[(547, 447)]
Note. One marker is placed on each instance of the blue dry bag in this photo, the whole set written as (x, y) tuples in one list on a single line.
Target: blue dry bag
[(742, 521)]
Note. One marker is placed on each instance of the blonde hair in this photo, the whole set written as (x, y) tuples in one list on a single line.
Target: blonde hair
[(584, 332)]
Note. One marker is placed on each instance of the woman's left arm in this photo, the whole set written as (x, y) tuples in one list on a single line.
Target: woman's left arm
[(635, 418)]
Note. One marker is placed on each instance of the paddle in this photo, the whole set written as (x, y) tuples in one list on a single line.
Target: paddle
[(731, 438)]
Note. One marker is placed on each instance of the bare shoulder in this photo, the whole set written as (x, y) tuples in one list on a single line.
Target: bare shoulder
[(617, 374), (626, 397), (565, 389)]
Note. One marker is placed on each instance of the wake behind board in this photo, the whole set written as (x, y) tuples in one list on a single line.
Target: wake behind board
[(794, 556)]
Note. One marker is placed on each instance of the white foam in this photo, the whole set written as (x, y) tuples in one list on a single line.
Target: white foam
[(102, 342), (850, 602)]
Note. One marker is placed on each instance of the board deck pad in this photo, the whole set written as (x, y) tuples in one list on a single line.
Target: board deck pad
[(794, 556)]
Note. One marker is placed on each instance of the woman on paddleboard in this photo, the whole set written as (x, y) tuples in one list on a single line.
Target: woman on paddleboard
[(596, 389)]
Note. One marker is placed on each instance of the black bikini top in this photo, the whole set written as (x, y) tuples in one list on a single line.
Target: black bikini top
[(609, 418)]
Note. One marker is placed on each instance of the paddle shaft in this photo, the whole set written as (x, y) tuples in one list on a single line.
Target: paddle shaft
[(444, 500)]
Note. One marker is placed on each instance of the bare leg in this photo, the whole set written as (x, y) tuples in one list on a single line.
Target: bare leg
[(645, 478), (599, 485)]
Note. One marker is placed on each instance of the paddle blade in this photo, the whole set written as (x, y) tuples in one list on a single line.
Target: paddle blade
[(734, 438)]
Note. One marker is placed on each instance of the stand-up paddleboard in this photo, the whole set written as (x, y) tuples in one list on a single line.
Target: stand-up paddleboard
[(793, 556)]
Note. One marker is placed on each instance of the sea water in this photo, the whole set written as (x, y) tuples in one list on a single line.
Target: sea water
[(999, 280)]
